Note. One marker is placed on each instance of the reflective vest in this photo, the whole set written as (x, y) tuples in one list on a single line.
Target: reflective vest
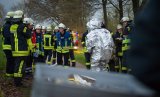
[(125, 44), (19, 37), (48, 42), (63, 42)]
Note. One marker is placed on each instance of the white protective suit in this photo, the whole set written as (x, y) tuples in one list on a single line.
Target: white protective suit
[(100, 44)]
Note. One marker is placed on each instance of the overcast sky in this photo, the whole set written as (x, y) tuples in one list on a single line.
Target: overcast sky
[(10, 3)]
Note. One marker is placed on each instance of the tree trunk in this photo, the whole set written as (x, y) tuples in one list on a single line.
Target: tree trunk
[(104, 3), (120, 9), (136, 6)]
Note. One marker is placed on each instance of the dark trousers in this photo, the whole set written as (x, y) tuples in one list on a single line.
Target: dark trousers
[(48, 53), (19, 69), (63, 57), (124, 63), (29, 63), (87, 58), (54, 54), (10, 63), (39, 59), (72, 57)]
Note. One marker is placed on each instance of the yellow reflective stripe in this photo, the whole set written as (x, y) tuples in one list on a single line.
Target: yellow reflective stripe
[(124, 68), (21, 67), (50, 41), (73, 60), (9, 75), (48, 47), (85, 49), (20, 53), (126, 41), (116, 67), (13, 30), (82, 42), (25, 29), (6, 47), (124, 48), (30, 45), (88, 64), (49, 63), (120, 53), (17, 75)]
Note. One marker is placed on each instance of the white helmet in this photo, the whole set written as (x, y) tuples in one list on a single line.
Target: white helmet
[(18, 14), (61, 25), (56, 28), (119, 26), (9, 14), (31, 21), (38, 26), (43, 28), (125, 19), (27, 21), (49, 28)]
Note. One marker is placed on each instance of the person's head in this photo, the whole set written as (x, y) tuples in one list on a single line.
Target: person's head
[(43, 29), (62, 28), (56, 29), (38, 28), (49, 29), (28, 22), (125, 21), (119, 28), (18, 15), (9, 16)]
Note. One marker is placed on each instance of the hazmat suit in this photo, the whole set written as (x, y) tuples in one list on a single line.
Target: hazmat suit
[(99, 44)]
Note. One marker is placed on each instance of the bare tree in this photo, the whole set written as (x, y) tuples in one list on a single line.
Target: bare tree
[(104, 4)]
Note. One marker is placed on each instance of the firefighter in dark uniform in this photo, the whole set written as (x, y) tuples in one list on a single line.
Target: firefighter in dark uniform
[(28, 23), (54, 53), (127, 24), (19, 36), (63, 44), (118, 37), (39, 50), (71, 51), (86, 53), (6, 44), (48, 43)]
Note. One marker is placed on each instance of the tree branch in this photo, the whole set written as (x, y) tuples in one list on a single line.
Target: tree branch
[(114, 5)]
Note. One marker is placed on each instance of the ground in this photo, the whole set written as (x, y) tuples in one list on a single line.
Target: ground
[(7, 88)]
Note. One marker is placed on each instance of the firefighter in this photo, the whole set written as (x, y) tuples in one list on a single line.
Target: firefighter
[(7, 44), (48, 42), (71, 51), (54, 53), (63, 44), (39, 51), (86, 53), (118, 37), (126, 42), (29, 24), (19, 36), (43, 30)]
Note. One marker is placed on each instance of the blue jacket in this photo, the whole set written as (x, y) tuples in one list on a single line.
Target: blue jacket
[(39, 41), (63, 41)]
